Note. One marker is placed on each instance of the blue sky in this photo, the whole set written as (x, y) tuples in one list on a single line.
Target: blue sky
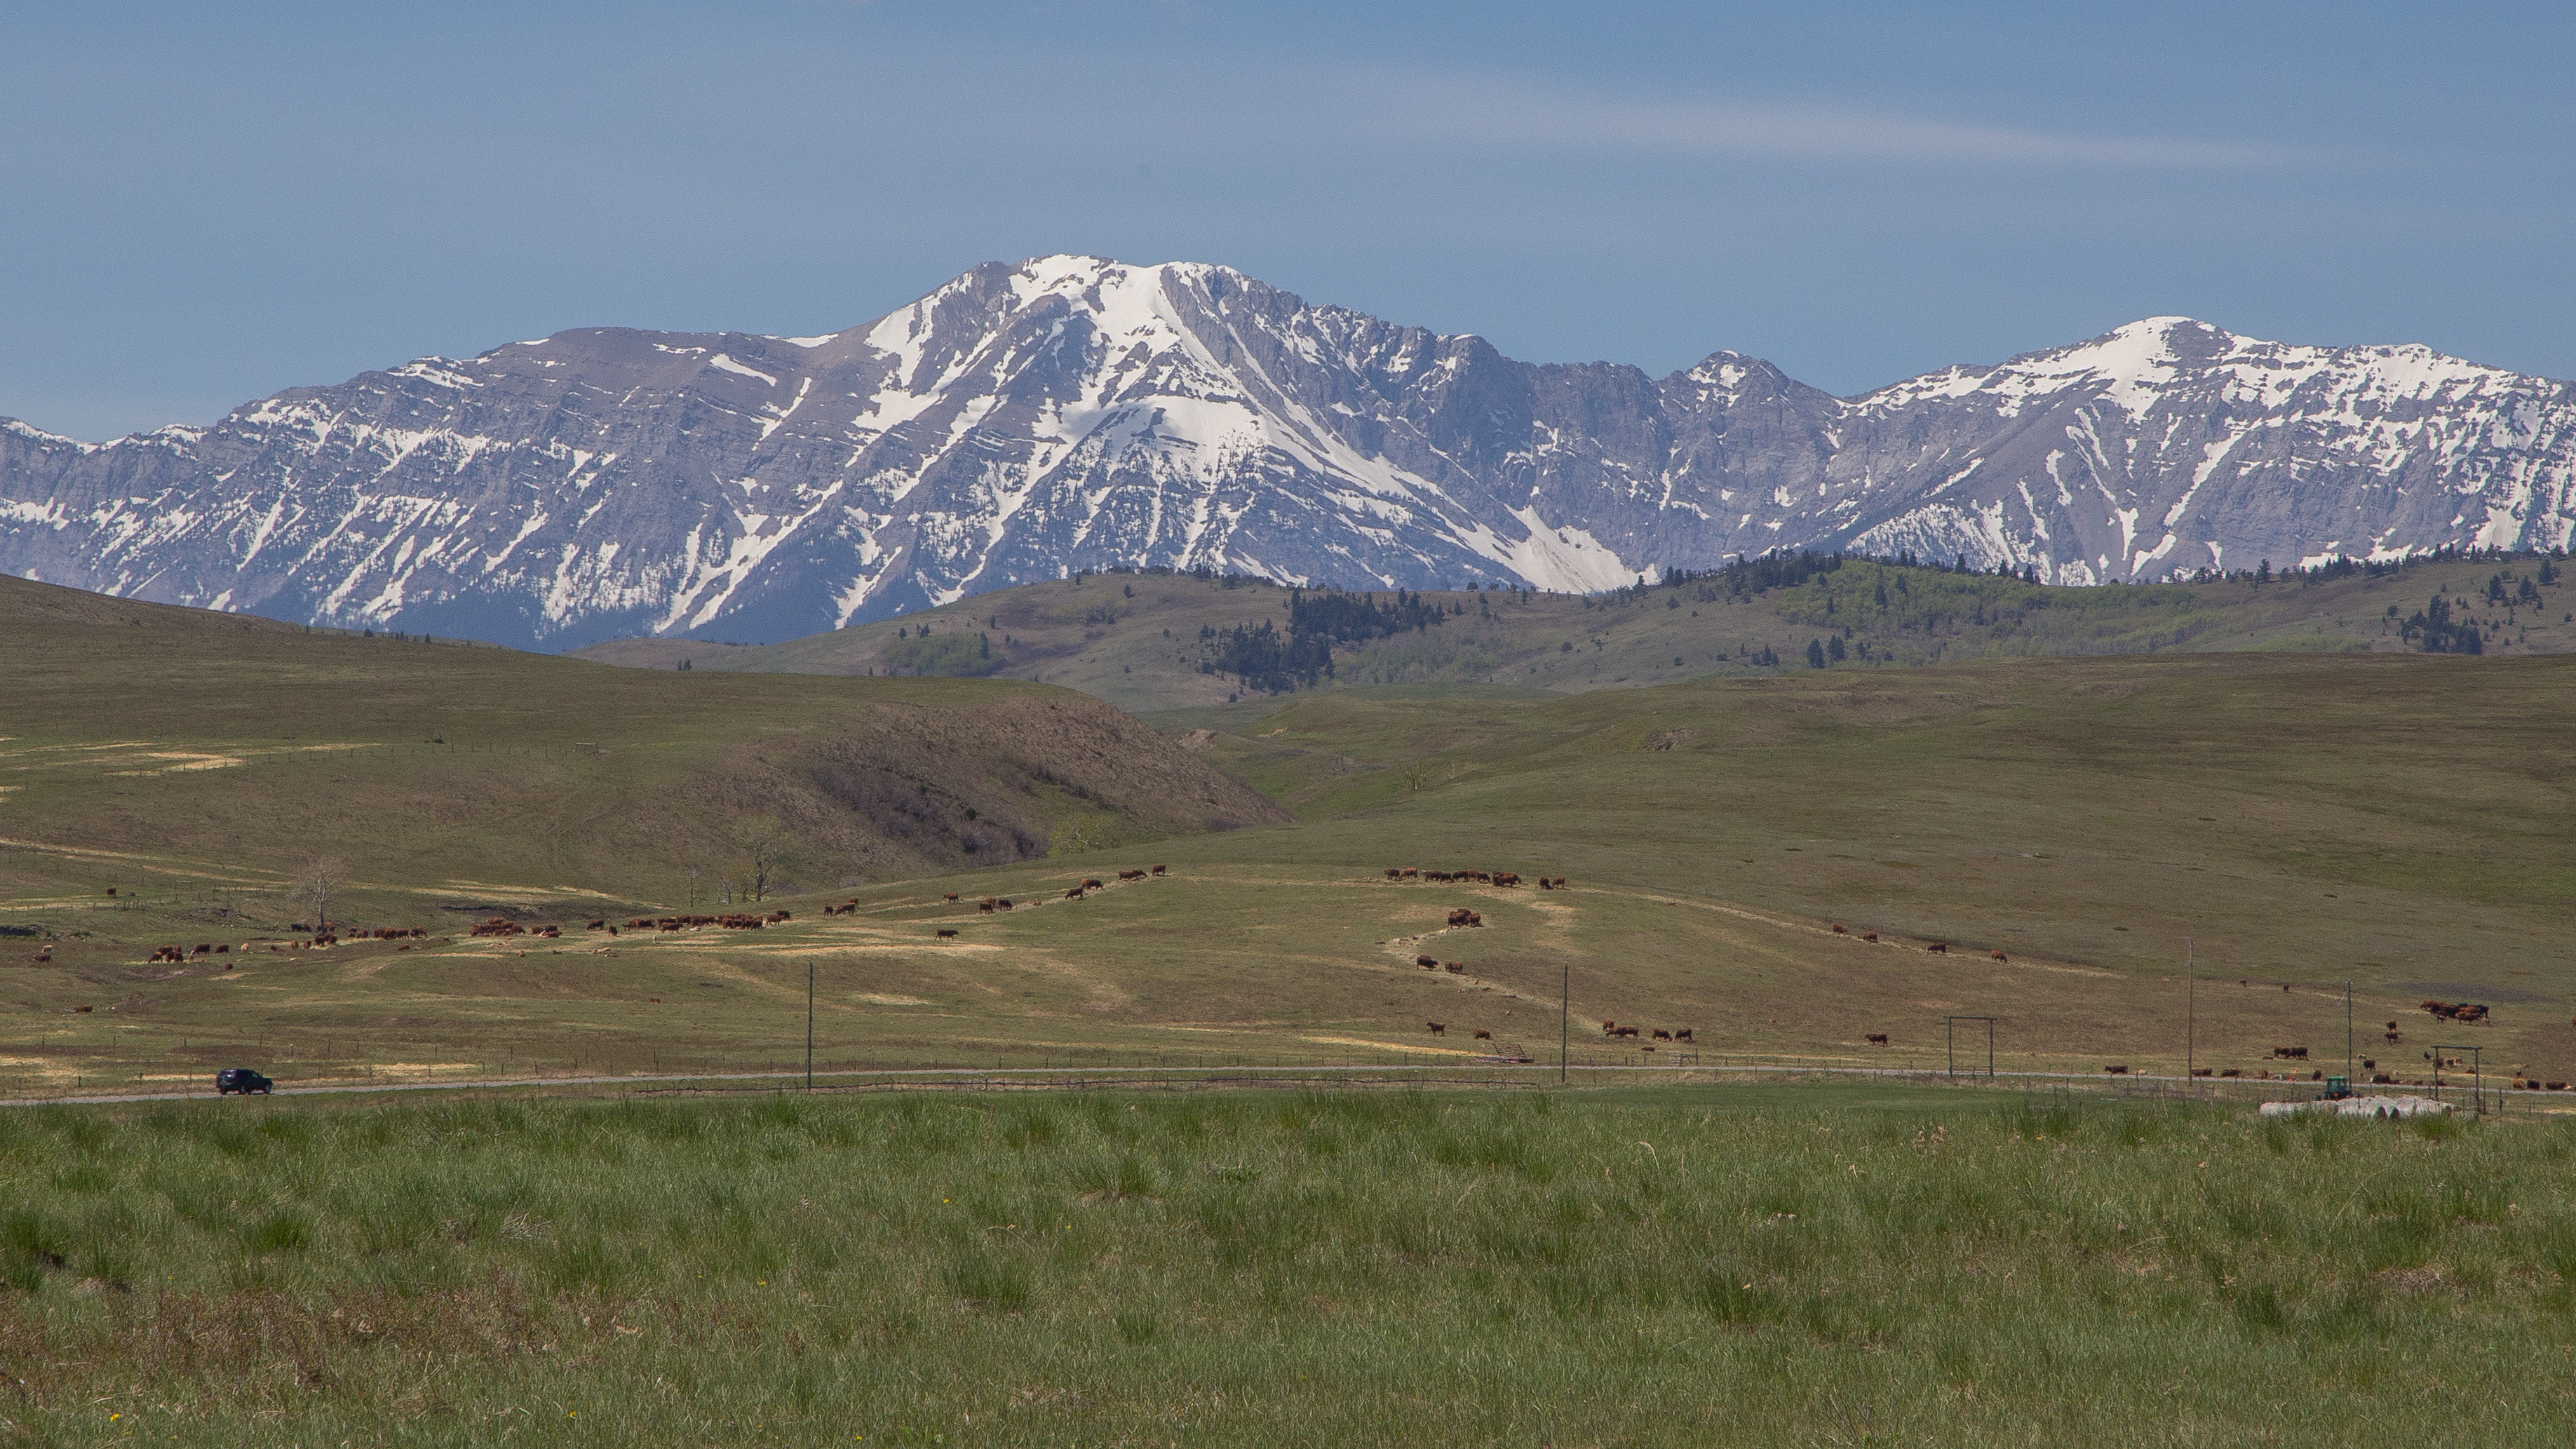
[(204, 204)]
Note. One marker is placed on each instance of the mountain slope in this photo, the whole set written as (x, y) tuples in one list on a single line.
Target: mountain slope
[(1027, 422)]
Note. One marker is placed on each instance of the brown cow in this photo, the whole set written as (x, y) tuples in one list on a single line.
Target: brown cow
[(1869, 935), (1426, 961), (1437, 1027), (1877, 1038), (1091, 883), (2117, 1071), (984, 906), (1560, 882), (1394, 873), (1684, 1034), (1074, 894), (1839, 929), (1131, 875), (1004, 903), (1483, 1035), (1609, 1028), (1455, 968), (1939, 948), (1545, 884), (1662, 1035), (947, 930), (1626, 1031), (1410, 873), (952, 895), (1158, 870), (1999, 956)]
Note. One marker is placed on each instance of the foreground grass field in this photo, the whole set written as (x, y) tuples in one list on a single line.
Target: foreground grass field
[(1683, 1266)]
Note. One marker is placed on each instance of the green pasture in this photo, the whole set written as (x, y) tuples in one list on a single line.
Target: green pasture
[(2303, 821), (1682, 1266)]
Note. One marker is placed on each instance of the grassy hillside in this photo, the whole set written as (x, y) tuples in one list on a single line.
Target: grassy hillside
[(202, 763), (1139, 640), (1687, 1267)]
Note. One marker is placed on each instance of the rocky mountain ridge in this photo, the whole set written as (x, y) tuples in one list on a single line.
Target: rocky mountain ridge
[(1027, 421)]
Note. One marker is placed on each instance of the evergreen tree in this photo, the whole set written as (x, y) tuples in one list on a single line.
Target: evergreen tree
[(1815, 654)]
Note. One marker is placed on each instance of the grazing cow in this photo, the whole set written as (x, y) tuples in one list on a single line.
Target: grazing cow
[(1455, 968), (2285, 988), (1004, 903), (2392, 1038), (1627, 1031), (1683, 1034), (1483, 1035), (2200, 1071), (1074, 894), (1840, 929), (1939, 948), (2295, 1054), (1662, 1035), (2232, 1072), (1876, 1038), (985, 906), (1411, 873), (1560, 882), (952, 895), (2368, 1065), (1999, 955), (1131, 875), (204, 949), (2117, 1071), (1426, 961), (1437, 1027), (1545, 884), (1394, 873), (596, 926), (2555, 1086), (947, 930), (1506, 878), (1869, 935), (1158, 870), (1091, 883)]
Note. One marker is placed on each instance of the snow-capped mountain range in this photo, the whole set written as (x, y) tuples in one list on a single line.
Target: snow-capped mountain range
[(1026, 421)]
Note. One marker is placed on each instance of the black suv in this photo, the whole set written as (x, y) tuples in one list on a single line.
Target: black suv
[(242, 1080)]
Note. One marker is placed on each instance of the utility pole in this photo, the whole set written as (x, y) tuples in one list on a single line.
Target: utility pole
[(1564, 1013), (809, 1023), (2190, 1012), (2347, 1034)]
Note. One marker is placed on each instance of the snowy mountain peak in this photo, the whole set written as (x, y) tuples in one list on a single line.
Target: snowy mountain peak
[(1026, 420)]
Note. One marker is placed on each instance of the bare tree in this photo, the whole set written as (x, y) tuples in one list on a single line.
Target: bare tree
[(767, 851), (693, 870), (317, 883)]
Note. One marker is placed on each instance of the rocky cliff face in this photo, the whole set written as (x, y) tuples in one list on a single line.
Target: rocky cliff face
[(1023, 422)]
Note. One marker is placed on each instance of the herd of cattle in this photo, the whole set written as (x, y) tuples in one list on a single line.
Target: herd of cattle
[(737, 921), (328, 935), (1479, 877)]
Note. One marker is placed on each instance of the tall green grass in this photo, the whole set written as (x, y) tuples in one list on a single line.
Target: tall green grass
[(1686, 1267)]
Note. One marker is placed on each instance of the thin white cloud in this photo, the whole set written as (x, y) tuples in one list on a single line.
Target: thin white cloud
[(1501, 113)]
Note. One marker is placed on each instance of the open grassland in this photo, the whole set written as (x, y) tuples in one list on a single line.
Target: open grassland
[(1139, 640), (198, 759), (1684, 1266), (2399, 822)]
